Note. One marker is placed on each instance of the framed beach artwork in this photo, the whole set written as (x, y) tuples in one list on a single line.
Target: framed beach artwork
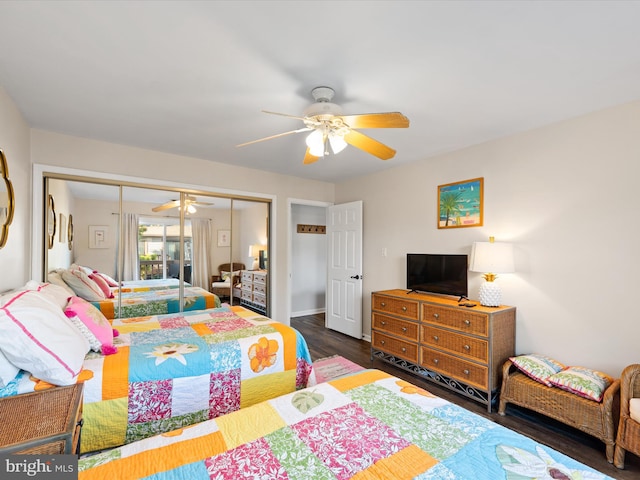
[(460, 204)]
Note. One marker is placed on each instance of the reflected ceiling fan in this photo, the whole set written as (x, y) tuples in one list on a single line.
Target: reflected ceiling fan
[(332, 130), (190, 205)]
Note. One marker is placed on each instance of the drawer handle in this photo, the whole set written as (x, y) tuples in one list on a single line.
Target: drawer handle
[(435, 315), (404, 309), (436, 338), (381, 342), (467, 322), (465, 371), (404, 329), (382, 304), (404, 349), (383, 323), (435, 360), (467, 347)]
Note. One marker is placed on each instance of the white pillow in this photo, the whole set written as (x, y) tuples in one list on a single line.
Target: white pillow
[(56, 279), (59, 295), (634, 409), (39, 338), (8, 370), (82, 285)]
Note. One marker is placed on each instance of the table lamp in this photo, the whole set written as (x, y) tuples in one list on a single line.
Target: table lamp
[(491, 258)]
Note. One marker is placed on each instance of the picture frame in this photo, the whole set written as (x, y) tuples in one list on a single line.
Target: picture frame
[(98, 235), (224, 238), (460, 204)]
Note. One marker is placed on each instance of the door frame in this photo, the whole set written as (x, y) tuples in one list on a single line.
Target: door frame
[(290, 232)]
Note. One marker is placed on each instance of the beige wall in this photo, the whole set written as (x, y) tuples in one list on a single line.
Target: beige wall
[(565, 195), (14, 141), (66, 152)]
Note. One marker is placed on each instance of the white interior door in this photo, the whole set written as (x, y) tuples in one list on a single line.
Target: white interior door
[(344, 268)]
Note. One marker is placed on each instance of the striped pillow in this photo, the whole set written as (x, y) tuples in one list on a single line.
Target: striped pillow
[(538, 367)]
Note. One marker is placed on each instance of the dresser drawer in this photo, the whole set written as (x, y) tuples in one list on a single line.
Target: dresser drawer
[(474, 348), (260, 288), (457, 319), (260, 278), (395, 326), (467, 372), (247, 295), (259, 299), (394, 346), (247, 277), (402, 307)]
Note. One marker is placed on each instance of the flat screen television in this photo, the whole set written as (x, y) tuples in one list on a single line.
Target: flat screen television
[(445, 274)]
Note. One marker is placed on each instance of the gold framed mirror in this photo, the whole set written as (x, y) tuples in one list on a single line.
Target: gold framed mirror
[(7, 201), (51, 221), (70, 232)]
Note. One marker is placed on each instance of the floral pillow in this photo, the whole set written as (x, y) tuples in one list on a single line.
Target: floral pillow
[(582, 381), (538, 367)]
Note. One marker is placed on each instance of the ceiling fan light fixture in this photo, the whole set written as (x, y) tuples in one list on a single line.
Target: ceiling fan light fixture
[(315, 142), (190, 209), (337, 143)]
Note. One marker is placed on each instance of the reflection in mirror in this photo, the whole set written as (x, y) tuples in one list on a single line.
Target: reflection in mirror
[(70, 232), (51, 221), (154, 252), (7, 201)]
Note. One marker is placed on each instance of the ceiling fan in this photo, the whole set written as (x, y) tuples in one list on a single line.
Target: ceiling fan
[(329, 128), (189, 205)]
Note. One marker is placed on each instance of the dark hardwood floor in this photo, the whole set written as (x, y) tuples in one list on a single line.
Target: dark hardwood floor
[(323, 342)]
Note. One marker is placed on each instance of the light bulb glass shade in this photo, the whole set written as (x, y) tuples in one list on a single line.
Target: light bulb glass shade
[(191, 209), (492, 257), (315, 142), (337, 143)]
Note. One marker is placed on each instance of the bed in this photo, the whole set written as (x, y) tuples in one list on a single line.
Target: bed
[(155, 302), (147, 285), (169, 370), (367, 425)]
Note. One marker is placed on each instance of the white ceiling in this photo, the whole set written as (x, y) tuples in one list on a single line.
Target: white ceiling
[(191, 78)]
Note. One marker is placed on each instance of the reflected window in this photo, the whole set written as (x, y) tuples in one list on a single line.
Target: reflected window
[(159, 248)]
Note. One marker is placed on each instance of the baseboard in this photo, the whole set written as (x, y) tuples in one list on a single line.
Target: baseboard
[(366, 338), (307, 312)]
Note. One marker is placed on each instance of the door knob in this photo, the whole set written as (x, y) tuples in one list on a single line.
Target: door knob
[(357, 277)]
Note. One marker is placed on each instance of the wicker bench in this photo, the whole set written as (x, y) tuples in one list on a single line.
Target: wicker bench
[(594, 418)]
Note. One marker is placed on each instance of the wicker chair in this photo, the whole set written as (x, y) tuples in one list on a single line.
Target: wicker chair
[(221, 288), (628, 439), (594, 418)]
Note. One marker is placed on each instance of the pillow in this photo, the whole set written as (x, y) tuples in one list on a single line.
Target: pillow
[(226, 276), (8, 371), (582, 381), (56, 279), (538, 367), (101, 338), (102, 283), (38, 338), (82, 285), (86, 270), (55, 293), (110, 281)]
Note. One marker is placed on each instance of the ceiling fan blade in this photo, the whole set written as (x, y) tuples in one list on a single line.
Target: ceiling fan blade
[(376, 120), (369, 145), (308, 158), (166, 206), (201, 204), (283, 114), (306, 129)]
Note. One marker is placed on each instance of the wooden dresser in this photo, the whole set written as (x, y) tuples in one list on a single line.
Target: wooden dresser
[(254, 290), (461, 348)]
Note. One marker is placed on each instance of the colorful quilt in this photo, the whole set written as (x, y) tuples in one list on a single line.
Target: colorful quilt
[(156, 302), (147, 285), (179, 369), (369, 425)]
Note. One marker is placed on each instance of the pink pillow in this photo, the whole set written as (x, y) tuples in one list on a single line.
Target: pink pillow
[(95, 322), (110, 281), (102, 283)]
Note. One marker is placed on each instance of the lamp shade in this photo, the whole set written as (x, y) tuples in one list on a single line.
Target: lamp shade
[(492, 257)]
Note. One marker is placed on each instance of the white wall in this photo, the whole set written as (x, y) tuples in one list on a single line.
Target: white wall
[(309, 262), (15, 257), (565, 195), (62, 151)]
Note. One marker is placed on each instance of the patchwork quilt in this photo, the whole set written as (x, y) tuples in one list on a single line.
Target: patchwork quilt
[(140, 303), (146, 285), (179, 369), (369, 425)]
